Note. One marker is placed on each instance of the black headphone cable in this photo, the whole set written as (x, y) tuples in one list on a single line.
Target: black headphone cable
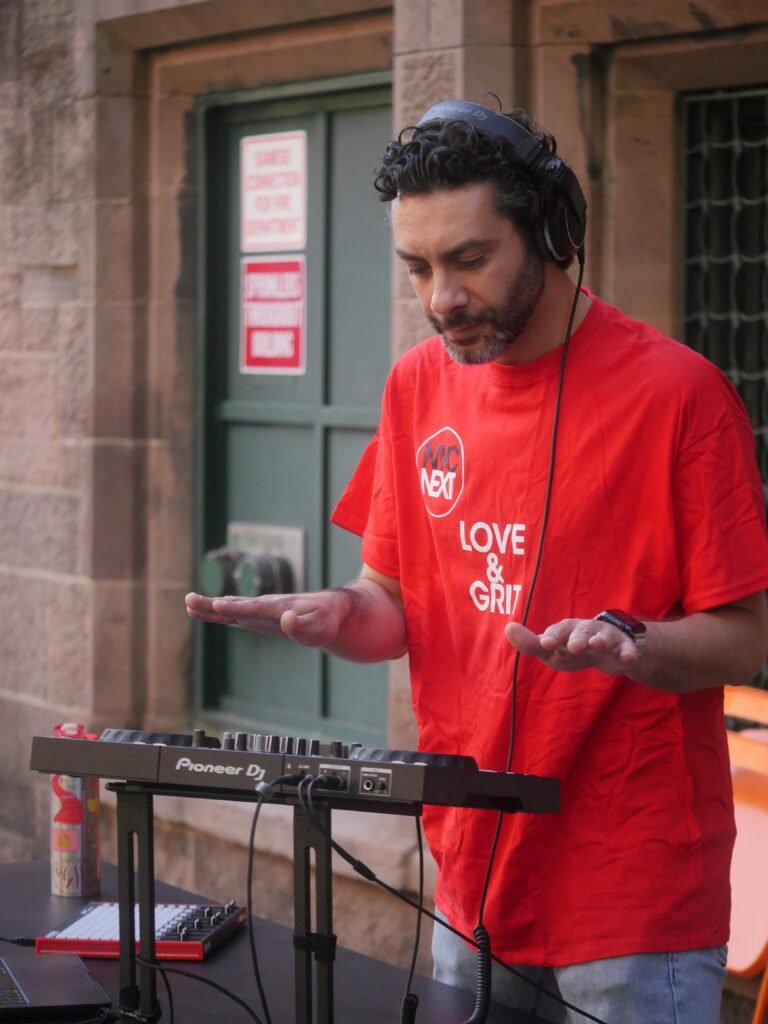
[(482, 939)]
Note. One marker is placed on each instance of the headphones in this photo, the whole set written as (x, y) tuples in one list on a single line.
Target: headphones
[(564, 220)]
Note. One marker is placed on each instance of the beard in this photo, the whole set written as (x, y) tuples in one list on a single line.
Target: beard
[(497, 329)]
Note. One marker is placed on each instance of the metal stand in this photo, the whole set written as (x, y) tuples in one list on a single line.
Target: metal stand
[(135, 821), (315, 949), (320, 944)]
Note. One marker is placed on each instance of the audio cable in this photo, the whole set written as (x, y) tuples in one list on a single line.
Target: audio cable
[(265, 791), (154, 966), (306, 800), (482, 938)]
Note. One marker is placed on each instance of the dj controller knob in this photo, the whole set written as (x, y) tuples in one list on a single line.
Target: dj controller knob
[(314, 748), (228, 741), (241, 741), (336, 748), (260, 743), (273, 744), (301, 746), (198, 735), (286, 745)]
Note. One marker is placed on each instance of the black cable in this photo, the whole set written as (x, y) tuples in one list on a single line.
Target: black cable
[(265, 791), (307, 803), (18, 942), (169, 994), (483, 990), (203, 981), (249, 897), (410, 999)]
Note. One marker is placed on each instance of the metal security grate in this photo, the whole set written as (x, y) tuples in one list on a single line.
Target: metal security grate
[(725, 279)]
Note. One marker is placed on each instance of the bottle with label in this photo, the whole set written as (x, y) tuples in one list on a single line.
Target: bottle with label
[(75, 861)]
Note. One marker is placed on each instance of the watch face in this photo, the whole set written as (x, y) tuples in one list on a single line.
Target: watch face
[(623, 619)]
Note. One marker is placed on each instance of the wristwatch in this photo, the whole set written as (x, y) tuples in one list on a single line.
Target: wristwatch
[(628, 624)]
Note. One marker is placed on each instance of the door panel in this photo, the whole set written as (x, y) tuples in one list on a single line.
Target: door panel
[(279, 449)]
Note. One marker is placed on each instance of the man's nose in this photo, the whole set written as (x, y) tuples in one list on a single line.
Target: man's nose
[(447, 295)]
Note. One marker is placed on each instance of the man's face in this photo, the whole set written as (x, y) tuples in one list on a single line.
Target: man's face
[(475, 278)]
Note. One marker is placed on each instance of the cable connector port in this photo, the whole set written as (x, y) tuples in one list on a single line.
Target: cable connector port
[(334, 777), (376, 781)]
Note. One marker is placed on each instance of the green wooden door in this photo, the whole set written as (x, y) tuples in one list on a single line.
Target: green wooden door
[(278, 447)]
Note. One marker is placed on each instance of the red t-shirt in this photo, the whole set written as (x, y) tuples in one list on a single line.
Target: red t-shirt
[(657, 508)]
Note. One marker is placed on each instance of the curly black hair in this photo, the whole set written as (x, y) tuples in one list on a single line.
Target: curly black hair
[(452, 153)]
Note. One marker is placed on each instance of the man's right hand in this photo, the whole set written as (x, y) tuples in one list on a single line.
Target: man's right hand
[(363, 621), (311, 619)]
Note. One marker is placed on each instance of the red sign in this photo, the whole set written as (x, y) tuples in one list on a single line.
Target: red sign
[(272, 294)]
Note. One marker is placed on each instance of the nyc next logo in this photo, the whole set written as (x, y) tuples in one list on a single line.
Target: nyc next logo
[(440, 464)]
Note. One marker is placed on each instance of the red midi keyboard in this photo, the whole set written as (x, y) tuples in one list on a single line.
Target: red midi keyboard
[(183, 931)]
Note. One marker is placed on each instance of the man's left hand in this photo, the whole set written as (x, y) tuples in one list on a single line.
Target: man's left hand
[(575, 644)]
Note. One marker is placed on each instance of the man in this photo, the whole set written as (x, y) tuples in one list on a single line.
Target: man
[(569, 543)]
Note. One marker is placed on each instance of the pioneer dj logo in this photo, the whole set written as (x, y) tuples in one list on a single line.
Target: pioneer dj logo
[(440, 464), (250, 771)]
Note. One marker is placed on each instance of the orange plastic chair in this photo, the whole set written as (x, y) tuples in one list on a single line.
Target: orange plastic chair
[(748, 945)]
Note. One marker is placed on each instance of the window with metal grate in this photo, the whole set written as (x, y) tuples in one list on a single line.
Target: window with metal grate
[(725, 245)]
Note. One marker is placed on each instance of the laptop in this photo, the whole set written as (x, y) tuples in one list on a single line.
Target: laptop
[(47, 988)]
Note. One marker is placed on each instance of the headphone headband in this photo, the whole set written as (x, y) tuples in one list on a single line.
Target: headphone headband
[(565, 219)]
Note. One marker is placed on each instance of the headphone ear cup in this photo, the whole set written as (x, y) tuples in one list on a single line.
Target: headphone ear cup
[(561, 228)]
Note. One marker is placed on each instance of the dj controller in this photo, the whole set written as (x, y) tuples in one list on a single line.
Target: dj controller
[(352, 776)]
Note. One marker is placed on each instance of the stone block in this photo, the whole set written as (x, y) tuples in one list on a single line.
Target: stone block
[(10, 311), (118, 653), (68, 632), (169, 658), (170, 376), (489, 69), (44, 651), (39, 530), (73, 142), (10, 30), (113, 519), (117, 372), (28, 399), (38, 330), (115, 142), (45, 235), (43, 463), (115, 251), (171, 128), (421, 80), (46, 58), (446, 27), (170, 477), (490, 23), (27, 154), (411, 30), (74, 345), (48, 286)]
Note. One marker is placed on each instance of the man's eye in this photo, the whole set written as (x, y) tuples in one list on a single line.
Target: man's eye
[(472, 261), (418, 271)]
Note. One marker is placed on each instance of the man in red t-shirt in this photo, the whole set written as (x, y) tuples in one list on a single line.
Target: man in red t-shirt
[(563, 527)]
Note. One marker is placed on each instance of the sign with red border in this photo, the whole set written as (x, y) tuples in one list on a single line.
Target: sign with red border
[(273, 308), (273, 192)]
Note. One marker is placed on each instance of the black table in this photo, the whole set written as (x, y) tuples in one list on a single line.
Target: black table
[(367, 991)]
